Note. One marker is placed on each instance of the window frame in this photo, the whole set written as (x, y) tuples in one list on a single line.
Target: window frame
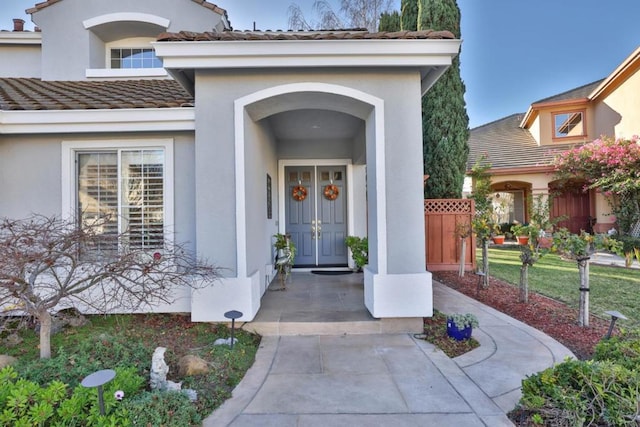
[(130, 43), (583, 133), (118, 73), (70, 149)]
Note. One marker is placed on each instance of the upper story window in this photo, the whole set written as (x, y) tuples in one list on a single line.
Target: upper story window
[(569, 124), (134, 58)]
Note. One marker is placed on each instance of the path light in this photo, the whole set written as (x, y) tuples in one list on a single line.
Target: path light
[(98, 379), (233, 315), (615, 315)]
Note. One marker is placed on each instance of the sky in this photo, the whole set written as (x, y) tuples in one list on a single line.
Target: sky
[(514, 52)]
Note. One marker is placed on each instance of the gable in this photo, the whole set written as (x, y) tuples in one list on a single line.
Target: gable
[(78, 35)]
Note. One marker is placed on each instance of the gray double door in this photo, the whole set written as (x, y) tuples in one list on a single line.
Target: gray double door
[(317, 223)]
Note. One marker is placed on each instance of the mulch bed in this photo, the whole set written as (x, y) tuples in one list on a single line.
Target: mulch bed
[(545, 314)]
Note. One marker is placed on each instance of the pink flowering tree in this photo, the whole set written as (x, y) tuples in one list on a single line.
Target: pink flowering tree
[(47, 264), (613, 167)]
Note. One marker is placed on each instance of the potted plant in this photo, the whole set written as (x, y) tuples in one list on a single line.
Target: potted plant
[(359, 247), (460, 326), (522, 233), (497, 236), (285, 255)]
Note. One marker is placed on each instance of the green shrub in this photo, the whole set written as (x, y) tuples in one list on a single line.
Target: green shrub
[(162, 409), (628, 242), (25, 403), (577, 393), (93, 354), (359, 247), (623, 349)]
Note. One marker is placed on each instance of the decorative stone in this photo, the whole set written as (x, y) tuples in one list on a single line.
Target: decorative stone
[(6, 360), (190, 365), (172, 386), (191, 394), (159, 370), (225, 341), (13, 340)]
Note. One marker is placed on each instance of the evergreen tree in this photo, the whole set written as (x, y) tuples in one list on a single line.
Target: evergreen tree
[(409, 18), (445, 124), (389, 22)]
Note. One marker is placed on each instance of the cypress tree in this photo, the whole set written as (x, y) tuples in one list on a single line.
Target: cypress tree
[(389, 22), (409, 9), (445, 124)]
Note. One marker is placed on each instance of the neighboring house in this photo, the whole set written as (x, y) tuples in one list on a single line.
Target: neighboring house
[(521, 147), (220, 136)]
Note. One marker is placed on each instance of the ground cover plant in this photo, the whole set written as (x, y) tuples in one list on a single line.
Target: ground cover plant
[(124, 343)]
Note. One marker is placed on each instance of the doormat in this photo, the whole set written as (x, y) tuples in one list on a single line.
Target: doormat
[(331, 272)]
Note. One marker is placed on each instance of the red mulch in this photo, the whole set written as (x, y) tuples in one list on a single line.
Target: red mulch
[(545, 314)]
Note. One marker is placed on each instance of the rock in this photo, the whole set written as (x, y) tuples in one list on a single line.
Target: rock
[(191, 394), (171, 386), (159, 370), (6, 360), (192, 365), (72, 317), (225, 341), (13, 340)]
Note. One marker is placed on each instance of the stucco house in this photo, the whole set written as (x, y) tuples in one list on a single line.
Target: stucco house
[(221, 128), (520, 147)]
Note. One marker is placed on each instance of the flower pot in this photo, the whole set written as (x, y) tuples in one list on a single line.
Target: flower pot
[(545, 242), (523, 240), (456, 333), (498, 240)]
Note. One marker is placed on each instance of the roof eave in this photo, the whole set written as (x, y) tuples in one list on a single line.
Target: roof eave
[(29, 122), (21, 38), (534, 108), (620, 74), (521, 170), (430, 56)]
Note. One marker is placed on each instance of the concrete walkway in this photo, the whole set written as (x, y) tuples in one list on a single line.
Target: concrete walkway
[(391, 379)]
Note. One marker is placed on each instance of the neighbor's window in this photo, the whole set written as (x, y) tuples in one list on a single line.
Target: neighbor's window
[(568, 124), (124, 191), (134, 58)]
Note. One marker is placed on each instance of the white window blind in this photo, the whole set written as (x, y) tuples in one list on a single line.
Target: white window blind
[(124, 190)]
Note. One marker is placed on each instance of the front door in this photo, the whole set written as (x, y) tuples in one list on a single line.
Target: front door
[(316, 214)]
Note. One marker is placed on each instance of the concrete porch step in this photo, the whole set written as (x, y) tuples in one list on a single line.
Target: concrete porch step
[(373, 326)]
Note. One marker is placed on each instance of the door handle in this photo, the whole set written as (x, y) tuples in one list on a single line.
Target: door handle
[(313, 231)]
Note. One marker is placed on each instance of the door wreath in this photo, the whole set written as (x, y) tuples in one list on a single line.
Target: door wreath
[(331, 192), (299, 193)]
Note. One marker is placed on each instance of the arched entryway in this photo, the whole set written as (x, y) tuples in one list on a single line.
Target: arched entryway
[(510, 201)]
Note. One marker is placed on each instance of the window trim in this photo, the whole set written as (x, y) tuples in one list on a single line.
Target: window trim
[(115, 73), (129, 43), (581, 136), (69, 184)]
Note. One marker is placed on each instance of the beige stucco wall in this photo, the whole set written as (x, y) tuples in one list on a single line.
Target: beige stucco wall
[(618, 114), (543, 127), (539, 181), (540, 185)]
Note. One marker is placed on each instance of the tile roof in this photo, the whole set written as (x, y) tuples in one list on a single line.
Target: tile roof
[(509, 146), (34, 94), (577, 93), (307, 35), (204, 3)]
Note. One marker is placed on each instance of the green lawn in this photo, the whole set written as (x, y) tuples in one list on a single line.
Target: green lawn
[(612, 288)]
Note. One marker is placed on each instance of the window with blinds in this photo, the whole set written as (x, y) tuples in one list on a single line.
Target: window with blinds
[(123, 191)]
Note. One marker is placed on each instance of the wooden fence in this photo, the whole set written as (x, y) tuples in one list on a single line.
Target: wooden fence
[(442, 219)]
